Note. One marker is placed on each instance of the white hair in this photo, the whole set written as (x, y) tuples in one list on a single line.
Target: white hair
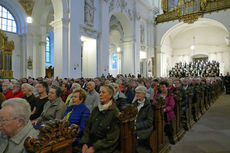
[(93, 83), (76, 84), (28, 86), (8, 85), (21, 108), (143, 89)]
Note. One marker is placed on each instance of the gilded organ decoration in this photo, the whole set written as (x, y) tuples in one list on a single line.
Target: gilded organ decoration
[(164, 5), (6, 48), (189, 11)]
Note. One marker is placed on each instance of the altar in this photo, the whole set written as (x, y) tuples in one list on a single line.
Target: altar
[(6, 49)]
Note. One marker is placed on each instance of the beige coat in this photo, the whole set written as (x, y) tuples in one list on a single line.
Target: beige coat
[(52, 110)]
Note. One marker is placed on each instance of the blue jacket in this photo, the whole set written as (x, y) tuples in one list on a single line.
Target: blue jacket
[(78, 116)]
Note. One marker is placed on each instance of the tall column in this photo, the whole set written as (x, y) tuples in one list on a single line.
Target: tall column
[(27, 53), (128, 58), (42, 62), (23, 56), (76, 13), (103, 54), (159, 58), (60, 47)]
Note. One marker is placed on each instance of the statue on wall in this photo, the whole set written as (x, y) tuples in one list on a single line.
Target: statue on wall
[(29, 64), (89, 12), (142, 33)]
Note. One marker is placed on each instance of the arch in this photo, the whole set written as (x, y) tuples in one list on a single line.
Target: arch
[(207, 35), (125, 22), (61, 9), (124, 32), (19, 14), (199, 55), (178, 27)]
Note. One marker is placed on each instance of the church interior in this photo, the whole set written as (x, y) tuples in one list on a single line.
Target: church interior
[(142, 52)]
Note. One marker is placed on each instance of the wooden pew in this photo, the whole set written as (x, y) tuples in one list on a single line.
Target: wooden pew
[(189, 118), (177, 124), (195, 105), (202, 105), (206, 103), (55, 137), (158, 140), (127, 133), (199, 93)]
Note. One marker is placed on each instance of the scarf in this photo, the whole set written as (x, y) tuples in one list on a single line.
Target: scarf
[(105, 106)]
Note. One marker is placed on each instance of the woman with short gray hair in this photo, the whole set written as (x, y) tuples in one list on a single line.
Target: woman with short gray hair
[(15, 125), (20, 107), (144, 121), (27, 90)]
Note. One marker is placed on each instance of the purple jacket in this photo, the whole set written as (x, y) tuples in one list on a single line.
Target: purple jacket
[(169, 105)]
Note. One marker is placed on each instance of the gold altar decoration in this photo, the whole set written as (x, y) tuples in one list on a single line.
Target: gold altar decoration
[(189, 11), (28, 5), (6, 48)]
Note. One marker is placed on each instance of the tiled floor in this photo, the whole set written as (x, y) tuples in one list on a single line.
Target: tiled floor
[(211, 134)]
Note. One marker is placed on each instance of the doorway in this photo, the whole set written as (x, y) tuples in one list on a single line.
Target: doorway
[(88, 57)]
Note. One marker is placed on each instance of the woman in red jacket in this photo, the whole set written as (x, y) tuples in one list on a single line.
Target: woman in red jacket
[(169, 114)]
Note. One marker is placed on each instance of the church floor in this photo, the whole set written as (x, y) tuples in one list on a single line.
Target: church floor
[(211, 134)]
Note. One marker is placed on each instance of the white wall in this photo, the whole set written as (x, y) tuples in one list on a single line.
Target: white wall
[(89, 67)]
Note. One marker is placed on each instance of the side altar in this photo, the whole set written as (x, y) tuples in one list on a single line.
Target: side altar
[(6, 49)]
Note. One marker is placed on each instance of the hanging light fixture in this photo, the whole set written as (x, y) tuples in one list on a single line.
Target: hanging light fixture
[(193, 47)]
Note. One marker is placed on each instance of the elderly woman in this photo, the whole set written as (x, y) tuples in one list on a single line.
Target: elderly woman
[(68, 101), (101, 134), (144, 120), (27, 90), (168, 110), (7, 90), (54, 108), (78, 113), (15, 125)]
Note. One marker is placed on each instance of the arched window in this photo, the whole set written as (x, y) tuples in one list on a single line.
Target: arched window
[(48, 50), (7, 20), (114, 61)]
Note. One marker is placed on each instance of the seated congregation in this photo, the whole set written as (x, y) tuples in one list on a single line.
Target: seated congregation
[(101, 115)]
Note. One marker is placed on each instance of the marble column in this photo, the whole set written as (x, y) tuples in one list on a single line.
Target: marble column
[(103, 54), (61, 47), (76, 13), (159, 65), (42, 60)]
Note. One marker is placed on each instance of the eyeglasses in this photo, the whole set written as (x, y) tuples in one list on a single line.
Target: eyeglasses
[(7, 120)]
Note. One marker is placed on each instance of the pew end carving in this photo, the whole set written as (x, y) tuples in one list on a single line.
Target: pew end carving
[(127, 132), (55, 136), (158, 140)]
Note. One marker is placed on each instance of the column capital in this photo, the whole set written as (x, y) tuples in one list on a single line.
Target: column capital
[(61, 21)]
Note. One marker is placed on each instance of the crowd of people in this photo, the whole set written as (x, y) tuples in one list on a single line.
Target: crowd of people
[(196, 69), (93, 104)]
